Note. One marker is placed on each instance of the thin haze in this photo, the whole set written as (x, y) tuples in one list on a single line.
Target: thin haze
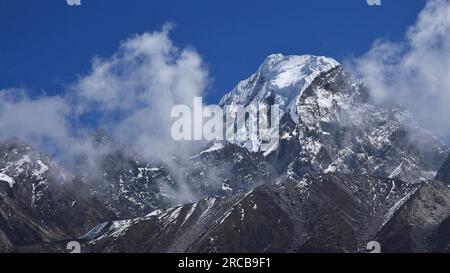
[(415, 72)]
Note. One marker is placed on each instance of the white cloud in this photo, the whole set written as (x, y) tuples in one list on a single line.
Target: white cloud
[(139, 85), (35, 120), (416, 71), (130, 94)]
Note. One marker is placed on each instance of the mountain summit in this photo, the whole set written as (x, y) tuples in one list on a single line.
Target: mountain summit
[(284, 78)]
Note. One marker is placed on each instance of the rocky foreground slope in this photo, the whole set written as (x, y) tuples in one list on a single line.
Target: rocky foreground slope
[(324, 214), (328, 213)]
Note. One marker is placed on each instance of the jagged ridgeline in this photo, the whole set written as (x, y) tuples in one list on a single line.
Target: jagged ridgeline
[(346, 171)]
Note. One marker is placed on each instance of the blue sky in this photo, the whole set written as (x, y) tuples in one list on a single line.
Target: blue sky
[(45, 45)]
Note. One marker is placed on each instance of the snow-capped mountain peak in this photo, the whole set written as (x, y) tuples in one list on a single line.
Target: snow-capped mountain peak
[(283, 78)]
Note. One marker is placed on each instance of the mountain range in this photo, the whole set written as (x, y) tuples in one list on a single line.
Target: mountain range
[(346, 171)]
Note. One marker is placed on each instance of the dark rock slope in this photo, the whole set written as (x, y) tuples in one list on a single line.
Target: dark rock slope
[(39, 200), (444, 172), (422, 223), (330, 213)]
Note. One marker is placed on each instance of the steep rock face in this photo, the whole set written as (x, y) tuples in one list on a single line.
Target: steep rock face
[(132, 186), (444, 172), (336, 126), (280, 80), (127, 185), (39, 200), (421, 224), (224, 169), (333, 213), (341, 130)]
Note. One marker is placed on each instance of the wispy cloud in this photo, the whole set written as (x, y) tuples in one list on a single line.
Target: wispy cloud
[(41, 121), (415, 72), (130, 94), (134, 91)]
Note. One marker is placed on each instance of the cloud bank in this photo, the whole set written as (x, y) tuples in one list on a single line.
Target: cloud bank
[(130, 94), (415, 72), (133, 92), (40, 121)]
